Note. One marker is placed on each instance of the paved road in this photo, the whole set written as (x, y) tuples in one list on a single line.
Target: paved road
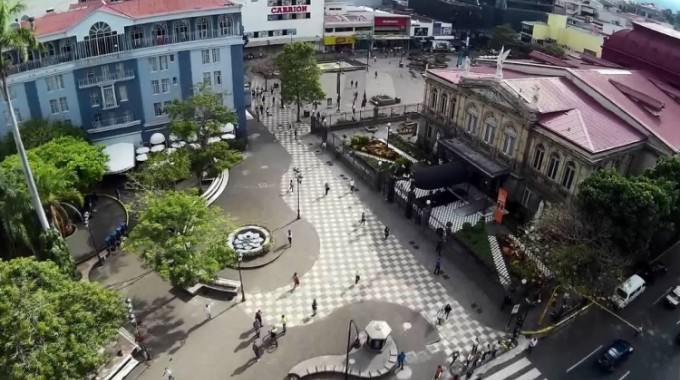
[(571, 352)]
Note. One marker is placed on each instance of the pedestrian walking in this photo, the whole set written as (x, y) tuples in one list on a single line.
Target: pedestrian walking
[(271, 91), (207, 309), (284, 321), (362, 221), (263, 99), (167, 374), (269, 112), (314, 307), (351, 83), (401, 359), (438, 372), (290, 238), (440, 316), (257, 325), (296, 281), (295, 131), (438, 266), (351, 185), (468, 374), (447, 310), (494, 349), (475, 346), (454, 356), (532, 344), (375, 59), (256, 350), (357, 278), (261, 109), (438, 250), (327, 187), (376, 75), (387, 232), (258, 316)]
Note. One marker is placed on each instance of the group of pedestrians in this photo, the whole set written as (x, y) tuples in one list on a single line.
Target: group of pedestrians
[(273, 333)]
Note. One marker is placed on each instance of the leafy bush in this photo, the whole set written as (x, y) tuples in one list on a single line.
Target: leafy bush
[(359, 141), (475, 238), (239, 144)]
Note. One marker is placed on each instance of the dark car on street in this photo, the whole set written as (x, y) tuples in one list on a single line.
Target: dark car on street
[(612, 356)]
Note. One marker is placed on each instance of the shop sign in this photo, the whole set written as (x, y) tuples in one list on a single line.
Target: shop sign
[(500, 205), (344, 40), (288, 9), (401, 22)]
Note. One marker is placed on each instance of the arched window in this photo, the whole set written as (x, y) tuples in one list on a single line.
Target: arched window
[(30, 55), (138, 36), (472, 120), (554, 165), (181, 31), (7, 57), (99, 30), (433, 98), (160, 34), (568, 176), (509, 140), (202, 27), (537, 160), (49, 50), (490, 126), (226, 24), (67, 47), (101, 40), (442, 104)]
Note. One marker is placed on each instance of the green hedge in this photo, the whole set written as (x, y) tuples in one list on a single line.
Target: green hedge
[(475, 238)]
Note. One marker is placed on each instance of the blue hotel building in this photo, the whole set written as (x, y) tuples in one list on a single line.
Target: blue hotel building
[(111, 67)]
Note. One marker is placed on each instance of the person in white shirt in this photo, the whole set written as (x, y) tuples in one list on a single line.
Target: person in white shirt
[(167, 374)]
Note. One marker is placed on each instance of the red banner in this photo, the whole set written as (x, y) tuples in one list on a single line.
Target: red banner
[(500, 205), (401, 22)]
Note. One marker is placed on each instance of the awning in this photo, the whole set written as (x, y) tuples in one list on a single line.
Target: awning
[(121, 157), (480, 161), (439, 176)]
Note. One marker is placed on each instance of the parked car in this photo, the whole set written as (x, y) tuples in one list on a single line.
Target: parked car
[(673, 297), (612, 356)]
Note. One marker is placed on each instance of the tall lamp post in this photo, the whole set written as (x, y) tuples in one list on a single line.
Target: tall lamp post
[(387, 140), (337, 84), (240, 276), (349, 345), (86, 222), (298, 178)]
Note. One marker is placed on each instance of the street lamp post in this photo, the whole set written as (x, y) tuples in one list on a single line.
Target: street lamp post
[(387, 140), (298, 178), (86, 222), (240, 277), (349, 346), (337, 85)]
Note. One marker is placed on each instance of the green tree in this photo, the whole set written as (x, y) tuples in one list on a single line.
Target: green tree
[(36, 132), (180, 237), (504, 35), (635, 208), (17, 219), (54, 248), (162, 171), (200, 118), (300, 75), (52, 327)]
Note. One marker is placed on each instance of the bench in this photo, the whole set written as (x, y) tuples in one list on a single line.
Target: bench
[(218, 283)]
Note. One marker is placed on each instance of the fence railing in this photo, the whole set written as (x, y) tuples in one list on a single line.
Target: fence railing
[(348, 118), (112, 123), (110, 77)]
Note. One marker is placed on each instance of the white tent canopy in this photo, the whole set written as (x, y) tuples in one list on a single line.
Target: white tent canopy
[(157, 138), (142, 157), (157, 148), (227, 128), (121, 157)]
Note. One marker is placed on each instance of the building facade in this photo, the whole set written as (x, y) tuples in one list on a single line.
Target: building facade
[(557, 30), (113, 67), (540, 130)]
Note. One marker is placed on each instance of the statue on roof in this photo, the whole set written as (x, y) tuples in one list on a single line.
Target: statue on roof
[(502, 56)]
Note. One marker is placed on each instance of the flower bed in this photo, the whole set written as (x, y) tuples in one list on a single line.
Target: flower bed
[(373, 147), (250, 240)]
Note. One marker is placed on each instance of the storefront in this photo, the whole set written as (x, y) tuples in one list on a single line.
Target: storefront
[(391, 31), (339, 42)]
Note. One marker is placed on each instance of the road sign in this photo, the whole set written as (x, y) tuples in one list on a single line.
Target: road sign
[(515, 310)]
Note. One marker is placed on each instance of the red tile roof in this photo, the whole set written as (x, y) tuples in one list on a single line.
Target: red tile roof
[(134, 9), (570, 113)]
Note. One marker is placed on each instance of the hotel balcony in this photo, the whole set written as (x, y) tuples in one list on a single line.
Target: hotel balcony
[(106, 79), (125, 121), (114, 48)]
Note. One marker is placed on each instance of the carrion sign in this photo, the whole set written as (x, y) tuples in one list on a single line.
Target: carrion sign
[(289, 9)]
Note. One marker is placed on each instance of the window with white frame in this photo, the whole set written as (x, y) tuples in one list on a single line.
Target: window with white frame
[(207, 79), (537, 159), (509, 139), (55, 82), (202, 27), (452, 107), (490, 126), (63, 104), (205, 56), (568, 175), (54, 106), (153, 63), (49, 49), (155, 87), (109, 96), (122, 93), (217, 77), (165, 85), (527, 197), (442, 103), (181, 30), (95, 98), (163, 62), (554, 165), (225, 25), (137, 36), (97, 118), (166, 104), (158, 109), (67, 47), (160, 33), (472, 120), (433, 98), (215, 55)]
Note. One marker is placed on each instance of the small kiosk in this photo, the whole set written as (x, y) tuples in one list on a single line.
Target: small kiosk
[(376, 335)]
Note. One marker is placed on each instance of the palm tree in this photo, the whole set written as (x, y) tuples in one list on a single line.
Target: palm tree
[(20, 40), (15, 217)]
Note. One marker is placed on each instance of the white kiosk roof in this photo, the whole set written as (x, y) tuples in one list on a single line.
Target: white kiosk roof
[(121, 157)]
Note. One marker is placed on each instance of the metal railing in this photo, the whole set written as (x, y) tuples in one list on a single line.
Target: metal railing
[(117, 47), (110, 77), (113, 123)]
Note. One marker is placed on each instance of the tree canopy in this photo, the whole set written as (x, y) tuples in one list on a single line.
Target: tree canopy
[(504, 35), (180, 237), (300, 75), (36, 132), (50, 326), (199, 118), (161, 171)]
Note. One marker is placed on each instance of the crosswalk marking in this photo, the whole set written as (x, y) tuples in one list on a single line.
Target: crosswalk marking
[(531, 375), (510, 370)]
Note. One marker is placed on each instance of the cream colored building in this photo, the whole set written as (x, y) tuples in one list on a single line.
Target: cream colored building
[(541, 130)]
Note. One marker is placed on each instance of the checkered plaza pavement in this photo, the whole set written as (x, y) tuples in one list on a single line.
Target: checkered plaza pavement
[(388, 270)]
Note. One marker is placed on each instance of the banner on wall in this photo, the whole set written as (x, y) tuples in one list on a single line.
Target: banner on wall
[(342, 40), (500, 205), (398, 22)]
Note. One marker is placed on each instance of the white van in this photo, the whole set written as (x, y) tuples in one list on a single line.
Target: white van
[(628, 291)]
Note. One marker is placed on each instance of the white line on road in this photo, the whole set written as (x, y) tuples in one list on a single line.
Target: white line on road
[(531, 375), (510, 370), (624, 375), (584, 359), (662, 295)]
